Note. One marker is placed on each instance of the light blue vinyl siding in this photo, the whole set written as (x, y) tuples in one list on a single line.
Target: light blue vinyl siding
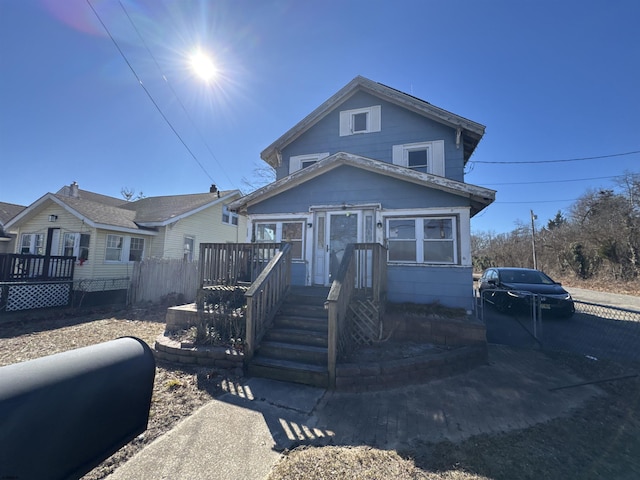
[(352, 185), (450, 286), (399, 126), (298, 273)]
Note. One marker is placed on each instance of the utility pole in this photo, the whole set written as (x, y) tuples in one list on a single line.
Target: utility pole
[(533, 239)]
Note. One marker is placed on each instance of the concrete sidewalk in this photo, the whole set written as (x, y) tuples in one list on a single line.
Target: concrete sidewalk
[(240, 434)]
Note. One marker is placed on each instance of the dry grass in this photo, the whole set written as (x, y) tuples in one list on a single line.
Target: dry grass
[(601, 440), (177, 391)]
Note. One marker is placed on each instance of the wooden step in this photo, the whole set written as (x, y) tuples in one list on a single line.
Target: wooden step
[(289, 371), (307, 354), (299, 322), (299, 336)]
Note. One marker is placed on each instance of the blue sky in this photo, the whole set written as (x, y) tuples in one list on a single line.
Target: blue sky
[(551, 80)]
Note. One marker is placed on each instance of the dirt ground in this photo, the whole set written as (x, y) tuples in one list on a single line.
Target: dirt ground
[(177, 392), (601, 440)]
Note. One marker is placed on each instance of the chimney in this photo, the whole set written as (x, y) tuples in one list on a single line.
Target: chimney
[(73, 190), (213, 188)]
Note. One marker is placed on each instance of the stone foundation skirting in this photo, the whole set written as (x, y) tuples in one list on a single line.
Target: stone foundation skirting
[(358, 377), (221, 357)]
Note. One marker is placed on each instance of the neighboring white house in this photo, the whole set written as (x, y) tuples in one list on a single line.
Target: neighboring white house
[(107, 234)]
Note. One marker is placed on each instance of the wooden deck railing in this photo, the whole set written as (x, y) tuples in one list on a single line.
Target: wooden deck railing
[(371, 271), (265, 296), (362, 273), (16, 267), (230, 263)]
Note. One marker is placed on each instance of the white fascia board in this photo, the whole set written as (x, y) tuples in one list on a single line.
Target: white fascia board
[(29, 210), (134, 231), (480, 194)]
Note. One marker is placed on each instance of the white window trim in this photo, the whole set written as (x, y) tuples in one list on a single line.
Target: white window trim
[(188, 253), (144, 247), (296, 161), (435, 157), (419, 238), (32, 243), (125, 250), (76, 244), (279, 224), (230, 215), (374, 120)]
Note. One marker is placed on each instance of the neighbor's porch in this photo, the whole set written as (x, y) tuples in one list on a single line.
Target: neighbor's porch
[(35, 281)]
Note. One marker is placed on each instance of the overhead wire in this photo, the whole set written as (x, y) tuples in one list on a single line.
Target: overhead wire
[(581, 159), (184, 109), (555, 181), (149, 93)]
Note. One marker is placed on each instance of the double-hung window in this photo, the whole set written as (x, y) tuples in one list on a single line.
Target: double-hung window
[(76, 245), (424, 157), (123, 249), (360, 120), (422, 240), (229, 217), (298, 162), (136, 249), (32, 243), (275, 232), (114, 248)]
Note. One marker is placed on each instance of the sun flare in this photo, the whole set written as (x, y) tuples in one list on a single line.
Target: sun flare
[(203, 66)]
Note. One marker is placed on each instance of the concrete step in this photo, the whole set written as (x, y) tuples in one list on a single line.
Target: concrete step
[(289, 371), (306, 354)]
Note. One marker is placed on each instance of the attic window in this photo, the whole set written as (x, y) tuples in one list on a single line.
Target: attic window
[(298, 162), (360, 120), (424, 157)]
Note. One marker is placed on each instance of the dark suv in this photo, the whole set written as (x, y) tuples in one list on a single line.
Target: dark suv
[(512, 288)]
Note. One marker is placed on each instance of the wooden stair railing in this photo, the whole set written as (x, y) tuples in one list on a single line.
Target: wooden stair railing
[(265, 296)]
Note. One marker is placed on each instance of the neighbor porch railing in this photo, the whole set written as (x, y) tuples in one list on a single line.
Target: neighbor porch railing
[(265, 296), (231, 263), (17, 267), (362, 273)]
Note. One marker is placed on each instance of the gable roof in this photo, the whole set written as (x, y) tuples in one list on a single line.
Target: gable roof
[(470, 131), (479, 197), (160, 211), (141, 216)]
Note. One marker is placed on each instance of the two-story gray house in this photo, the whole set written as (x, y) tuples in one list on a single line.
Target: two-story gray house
[(373, 164)]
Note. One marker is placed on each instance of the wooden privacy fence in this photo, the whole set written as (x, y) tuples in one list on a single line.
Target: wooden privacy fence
[(154, 279)]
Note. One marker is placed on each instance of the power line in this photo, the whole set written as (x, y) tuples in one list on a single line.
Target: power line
[(184, 109), (553, 181), (559, 161), (537, 201), (148, 93)]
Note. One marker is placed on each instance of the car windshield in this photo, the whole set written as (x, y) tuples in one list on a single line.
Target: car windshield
[(525, 276)]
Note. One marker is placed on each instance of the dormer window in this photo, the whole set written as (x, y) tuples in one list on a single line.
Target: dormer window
[(360, 120)]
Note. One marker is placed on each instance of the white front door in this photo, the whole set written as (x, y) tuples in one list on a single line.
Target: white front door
[(335, 229)]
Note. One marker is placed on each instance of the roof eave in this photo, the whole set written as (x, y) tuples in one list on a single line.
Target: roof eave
[(479, 196)]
